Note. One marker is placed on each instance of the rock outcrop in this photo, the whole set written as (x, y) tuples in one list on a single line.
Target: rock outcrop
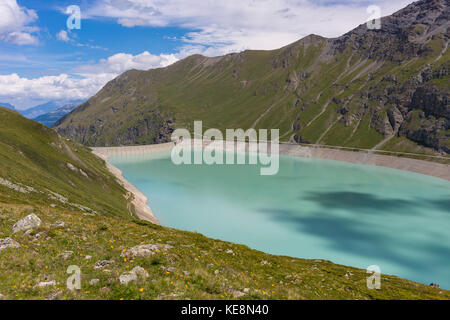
[(29, 222), (145, 250), (8, 243), (138, 273), (103, 264)]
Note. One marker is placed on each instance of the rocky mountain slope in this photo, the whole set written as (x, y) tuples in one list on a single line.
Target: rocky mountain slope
[(49, 119), (384, 89)]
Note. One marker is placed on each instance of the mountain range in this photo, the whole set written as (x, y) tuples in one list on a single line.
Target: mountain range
[(49, 119), (34, 112), (381, 89), (48, 112)]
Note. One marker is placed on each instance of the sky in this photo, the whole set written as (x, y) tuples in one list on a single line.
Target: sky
[(45, 54)]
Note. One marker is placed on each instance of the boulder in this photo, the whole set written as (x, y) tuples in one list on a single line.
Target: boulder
[(135, 274), (105, 290), (66, 254), (140, 272), (237, 293), (395, 118), (29, 222), (103, 263), (53, 295), (168, 269), (93, 282), (59, 225), (127, 278), (145, 250), (380, 122), (8, 243), (47, 284)]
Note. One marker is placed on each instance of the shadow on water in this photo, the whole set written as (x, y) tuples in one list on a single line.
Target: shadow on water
[(358, 200), (352, 236), (442, 204)]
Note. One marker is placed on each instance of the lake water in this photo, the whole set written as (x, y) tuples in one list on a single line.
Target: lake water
[(313, 208)]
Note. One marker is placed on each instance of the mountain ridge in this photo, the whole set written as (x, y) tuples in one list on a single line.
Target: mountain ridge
[(365, 89), (44, 108), (49, 119)]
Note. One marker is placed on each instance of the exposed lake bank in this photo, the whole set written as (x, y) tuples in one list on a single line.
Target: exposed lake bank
[(139, 202), (434, 169)]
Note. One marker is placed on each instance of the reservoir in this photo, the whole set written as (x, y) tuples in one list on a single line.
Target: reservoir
[(347, 213)]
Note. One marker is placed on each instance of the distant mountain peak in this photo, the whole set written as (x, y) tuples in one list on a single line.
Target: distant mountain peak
[(45, 108), (50, 118)]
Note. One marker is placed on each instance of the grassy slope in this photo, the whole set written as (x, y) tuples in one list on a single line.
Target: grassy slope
[(32, 155), (212, 272)]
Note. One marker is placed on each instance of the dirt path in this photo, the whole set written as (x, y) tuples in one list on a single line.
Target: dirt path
[(268, 110), (328, 129), (386, 139), (442, 53)]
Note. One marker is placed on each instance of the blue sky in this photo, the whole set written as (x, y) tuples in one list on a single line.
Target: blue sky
[(41, 60)]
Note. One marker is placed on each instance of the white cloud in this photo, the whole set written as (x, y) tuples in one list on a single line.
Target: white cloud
[(63, 36), (14, 23), (20, 38), (235, 25), (83, 83), (62, 86), (121, 62)]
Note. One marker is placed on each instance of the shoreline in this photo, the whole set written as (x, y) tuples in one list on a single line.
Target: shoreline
[(428, 168), (144, 212), (139, 202)]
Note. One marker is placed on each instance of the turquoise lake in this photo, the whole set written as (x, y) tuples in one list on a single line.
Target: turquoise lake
[(313, 208)]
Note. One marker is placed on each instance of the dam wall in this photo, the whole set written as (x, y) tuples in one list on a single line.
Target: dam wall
[(366, 157)]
